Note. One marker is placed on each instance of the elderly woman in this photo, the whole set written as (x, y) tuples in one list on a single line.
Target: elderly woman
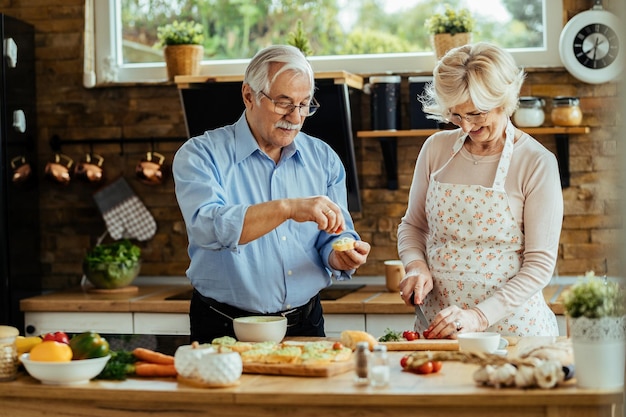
[(480, 236)]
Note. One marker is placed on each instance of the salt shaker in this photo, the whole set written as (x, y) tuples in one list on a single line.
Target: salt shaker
[(8, 353), (379, 367), (361, 376)]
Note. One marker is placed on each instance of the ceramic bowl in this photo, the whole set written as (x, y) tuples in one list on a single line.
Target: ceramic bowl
[(260, 328), (485, 342), (64, 373)]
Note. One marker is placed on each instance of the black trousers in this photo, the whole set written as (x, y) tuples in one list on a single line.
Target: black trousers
[(210, 319)]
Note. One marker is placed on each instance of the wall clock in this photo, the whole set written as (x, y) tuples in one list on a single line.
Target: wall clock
[(590, 46)]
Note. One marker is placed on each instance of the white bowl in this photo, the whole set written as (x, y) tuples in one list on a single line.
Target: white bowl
[(260, 328), (486, 342), (64, 373)]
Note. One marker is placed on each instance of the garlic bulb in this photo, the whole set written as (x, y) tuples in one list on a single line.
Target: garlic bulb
[(503, 376), (483, 374), (525, 377), (549, 373)]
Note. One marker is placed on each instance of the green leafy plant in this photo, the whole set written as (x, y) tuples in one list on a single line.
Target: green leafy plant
[(450, 21), (180, 33), (299, 39), (594, 297)]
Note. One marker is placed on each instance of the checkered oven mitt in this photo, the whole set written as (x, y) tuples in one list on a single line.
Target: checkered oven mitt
[(124, 214)]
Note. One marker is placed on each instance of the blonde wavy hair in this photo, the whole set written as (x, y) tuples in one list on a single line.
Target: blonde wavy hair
[(483, 73)]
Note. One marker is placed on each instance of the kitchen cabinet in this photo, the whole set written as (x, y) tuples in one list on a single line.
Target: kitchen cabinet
[(389, 138)]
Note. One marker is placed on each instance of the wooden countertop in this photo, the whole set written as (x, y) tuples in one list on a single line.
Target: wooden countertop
[(372, 299), (450, 392)]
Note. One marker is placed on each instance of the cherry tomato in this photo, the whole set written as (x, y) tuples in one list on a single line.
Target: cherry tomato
[(337, 346), (437, 365), (60, 337), (403, 361), (426, 333), (410, 335), (426, 368)]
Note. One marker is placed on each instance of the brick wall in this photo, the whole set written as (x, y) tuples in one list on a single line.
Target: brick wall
[(71, 223)]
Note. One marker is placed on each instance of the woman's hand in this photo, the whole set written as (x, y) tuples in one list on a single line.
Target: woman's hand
[(417, 282), (453, 320)]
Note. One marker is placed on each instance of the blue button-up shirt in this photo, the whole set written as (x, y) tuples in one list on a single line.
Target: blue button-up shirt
[(221, 173)]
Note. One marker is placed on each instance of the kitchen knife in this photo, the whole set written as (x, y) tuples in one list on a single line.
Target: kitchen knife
[(420, 317)]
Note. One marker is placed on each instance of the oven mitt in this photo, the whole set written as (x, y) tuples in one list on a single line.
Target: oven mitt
[(124, 214)]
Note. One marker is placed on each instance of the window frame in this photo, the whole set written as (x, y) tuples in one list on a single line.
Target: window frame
[(107, 37)]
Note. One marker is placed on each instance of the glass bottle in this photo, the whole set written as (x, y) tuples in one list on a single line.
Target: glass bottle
[(379, 367), (530, 112), (8, 353), (361, 369), (566, 111)]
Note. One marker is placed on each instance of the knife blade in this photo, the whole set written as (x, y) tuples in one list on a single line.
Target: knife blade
[(420, 317)]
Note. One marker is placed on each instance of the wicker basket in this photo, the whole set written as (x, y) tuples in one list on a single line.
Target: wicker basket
[(183, 59), (443, 42)]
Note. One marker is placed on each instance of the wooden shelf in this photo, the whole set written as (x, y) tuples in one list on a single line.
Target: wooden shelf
[(550, 130), (389, 146)]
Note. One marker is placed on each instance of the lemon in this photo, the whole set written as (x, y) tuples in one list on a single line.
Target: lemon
[(51, 351)]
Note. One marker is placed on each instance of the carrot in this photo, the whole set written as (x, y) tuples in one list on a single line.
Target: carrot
[(154, 369), (147, 355)]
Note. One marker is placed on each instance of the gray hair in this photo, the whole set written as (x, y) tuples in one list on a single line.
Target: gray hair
[(258, 72), (481, 72)]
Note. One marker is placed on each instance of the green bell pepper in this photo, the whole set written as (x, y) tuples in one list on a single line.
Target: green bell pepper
[(89, 345)]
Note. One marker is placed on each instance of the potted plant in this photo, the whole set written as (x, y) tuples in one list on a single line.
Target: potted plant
[(450, 29), (183, 48), (596, 311), (299, 39)]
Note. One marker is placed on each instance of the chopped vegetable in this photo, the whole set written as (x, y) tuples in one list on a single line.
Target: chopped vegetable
[(123, 252), (119, 367), (391, 336)]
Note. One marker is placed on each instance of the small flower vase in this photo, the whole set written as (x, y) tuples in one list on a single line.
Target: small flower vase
[(443, 42), (599, 351)]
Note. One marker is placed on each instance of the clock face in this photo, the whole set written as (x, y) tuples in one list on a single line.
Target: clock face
[(590, 46), (596, 46)]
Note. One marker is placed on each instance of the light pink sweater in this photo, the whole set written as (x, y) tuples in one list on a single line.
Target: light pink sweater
[(534, 190)]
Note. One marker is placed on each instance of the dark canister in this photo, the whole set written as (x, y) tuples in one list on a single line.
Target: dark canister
[(417, 116), (385, 102)]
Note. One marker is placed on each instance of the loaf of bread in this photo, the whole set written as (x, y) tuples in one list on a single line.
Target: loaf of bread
[(343, 244), (350, 338)]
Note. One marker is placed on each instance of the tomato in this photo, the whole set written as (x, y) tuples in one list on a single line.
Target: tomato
[(426, 333), (403, 361), (437, 365), (60, 337), (423, 369), (410, 335), (337, 346)]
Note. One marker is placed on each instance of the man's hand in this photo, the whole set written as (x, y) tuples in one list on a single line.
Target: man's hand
[(350, 259)]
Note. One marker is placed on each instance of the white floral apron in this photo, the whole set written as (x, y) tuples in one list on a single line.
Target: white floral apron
[(475, 246)]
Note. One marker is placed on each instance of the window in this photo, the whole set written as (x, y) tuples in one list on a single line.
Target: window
[(532, 36)]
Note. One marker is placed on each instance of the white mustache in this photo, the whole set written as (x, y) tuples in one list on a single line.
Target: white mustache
[(284, 124)]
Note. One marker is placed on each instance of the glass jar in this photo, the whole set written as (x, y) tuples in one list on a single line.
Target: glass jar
[(8, 353), (566, 111), (379, 367), (361, 368), (530, 112)]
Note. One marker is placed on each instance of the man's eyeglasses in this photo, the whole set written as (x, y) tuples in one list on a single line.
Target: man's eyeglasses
[(474, 119), (284, 107)]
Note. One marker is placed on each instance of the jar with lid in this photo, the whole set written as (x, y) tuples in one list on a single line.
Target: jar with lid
[(8, 353), (530, 112), (566, 111), (379, 367), (361, 368)]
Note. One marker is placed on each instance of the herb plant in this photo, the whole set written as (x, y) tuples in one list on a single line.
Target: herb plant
[(594, 297), (122, 252), (450, 21), (180, 33)]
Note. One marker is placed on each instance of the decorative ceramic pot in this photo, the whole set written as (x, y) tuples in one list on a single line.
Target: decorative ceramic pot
[(599, 351)]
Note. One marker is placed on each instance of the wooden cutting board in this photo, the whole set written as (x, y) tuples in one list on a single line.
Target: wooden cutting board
[(299, 370), (423, 344)]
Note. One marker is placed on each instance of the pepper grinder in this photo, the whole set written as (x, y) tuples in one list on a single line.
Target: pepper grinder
[(361, 376)]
